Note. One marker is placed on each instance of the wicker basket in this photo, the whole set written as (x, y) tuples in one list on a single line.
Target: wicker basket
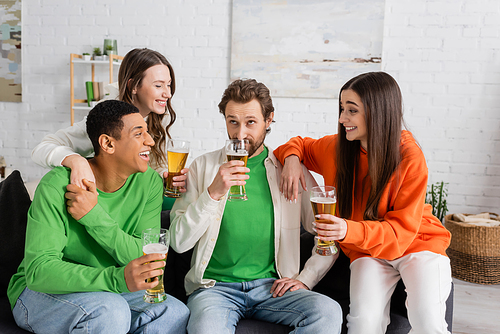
[(474, 252)]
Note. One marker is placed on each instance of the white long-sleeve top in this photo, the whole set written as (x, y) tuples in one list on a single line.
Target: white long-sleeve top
[(196, 218), (54, 148)]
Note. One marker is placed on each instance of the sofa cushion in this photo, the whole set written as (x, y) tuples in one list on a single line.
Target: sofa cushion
[(176, 267), (252, 326), (14, 205)]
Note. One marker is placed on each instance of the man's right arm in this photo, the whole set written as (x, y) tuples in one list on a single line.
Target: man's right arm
[(203, 203), (45, 269), (194, 211)]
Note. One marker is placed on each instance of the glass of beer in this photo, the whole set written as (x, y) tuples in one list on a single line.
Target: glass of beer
[(155, 240), (237, 149), (324, 200), (177, 153)]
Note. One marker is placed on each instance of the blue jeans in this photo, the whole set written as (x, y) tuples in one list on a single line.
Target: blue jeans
[(98, 312), (218, 309)]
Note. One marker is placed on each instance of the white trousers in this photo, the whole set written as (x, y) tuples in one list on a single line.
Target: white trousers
[(427, 278)]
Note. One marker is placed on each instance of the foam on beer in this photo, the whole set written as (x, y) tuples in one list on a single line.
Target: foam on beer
[(239, 153), (323, 200), (155, 248), (179, 150)]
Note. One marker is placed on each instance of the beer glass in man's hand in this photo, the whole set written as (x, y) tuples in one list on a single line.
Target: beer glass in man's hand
[(155, 240), (237, 149), (177, 153), (324, 200)]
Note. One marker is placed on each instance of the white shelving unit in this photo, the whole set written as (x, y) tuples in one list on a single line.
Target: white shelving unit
[(76, 59)]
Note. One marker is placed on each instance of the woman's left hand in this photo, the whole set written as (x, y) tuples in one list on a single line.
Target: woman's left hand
[(180, 180), (330, 228)]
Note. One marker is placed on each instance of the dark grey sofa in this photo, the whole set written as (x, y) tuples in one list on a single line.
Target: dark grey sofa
[(14, 204)]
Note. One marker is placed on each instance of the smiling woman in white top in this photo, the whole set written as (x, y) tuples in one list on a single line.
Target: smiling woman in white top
[(146, 79)]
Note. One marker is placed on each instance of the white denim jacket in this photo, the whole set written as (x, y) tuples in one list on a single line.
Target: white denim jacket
[(196, 218)]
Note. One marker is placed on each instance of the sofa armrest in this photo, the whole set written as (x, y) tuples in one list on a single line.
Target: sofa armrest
[(31, 187)]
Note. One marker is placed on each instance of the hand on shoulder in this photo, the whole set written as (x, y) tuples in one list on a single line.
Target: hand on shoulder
[(81, 201)]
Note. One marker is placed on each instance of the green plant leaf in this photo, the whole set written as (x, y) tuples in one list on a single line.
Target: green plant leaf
[(436, 196)]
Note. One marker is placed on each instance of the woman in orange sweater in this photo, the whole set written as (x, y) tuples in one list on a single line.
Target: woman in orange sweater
[(382, 223)]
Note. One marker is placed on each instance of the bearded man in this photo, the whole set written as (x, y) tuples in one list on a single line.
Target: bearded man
[(245, 262)]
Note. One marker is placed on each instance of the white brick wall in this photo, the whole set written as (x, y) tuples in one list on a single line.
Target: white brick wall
[(451, 88), (445, 55)]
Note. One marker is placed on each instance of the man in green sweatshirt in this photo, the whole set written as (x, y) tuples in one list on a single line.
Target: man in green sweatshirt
[(83, 269)]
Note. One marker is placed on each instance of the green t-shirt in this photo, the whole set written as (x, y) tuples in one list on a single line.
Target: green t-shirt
[(63, 255), (168, 203), (244, 250)]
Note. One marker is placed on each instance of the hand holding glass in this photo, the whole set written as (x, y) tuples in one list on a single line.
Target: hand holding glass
[(155, 240), (237, 149), (177, 153), (324, 200)]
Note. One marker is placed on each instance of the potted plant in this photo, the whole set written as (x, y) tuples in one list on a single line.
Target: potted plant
[(97, 54), (86, 56), (109, 50), (436, 196)]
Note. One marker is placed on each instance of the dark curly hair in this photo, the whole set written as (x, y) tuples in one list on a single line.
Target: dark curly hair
[(106, 118)]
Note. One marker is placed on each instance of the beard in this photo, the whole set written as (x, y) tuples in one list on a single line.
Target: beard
[(255, 145)]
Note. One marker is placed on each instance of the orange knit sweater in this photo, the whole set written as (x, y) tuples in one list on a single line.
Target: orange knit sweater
[(407, 224)]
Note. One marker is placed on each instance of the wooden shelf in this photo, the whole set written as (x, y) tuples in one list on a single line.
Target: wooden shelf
[(76, 104), (81, 106), (102, 62)]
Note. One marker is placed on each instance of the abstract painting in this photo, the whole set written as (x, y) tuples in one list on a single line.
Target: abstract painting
[(10, 51), (306, 48)]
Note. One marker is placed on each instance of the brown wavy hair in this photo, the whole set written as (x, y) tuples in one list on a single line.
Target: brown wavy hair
[(133, 68), (383, 104), (244, 91)]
